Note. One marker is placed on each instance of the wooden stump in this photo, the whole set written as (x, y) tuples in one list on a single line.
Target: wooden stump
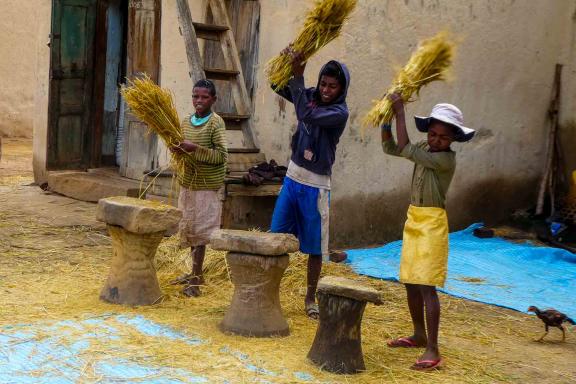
[(255, 308), (136, 228), (132, 278), (337, 346)]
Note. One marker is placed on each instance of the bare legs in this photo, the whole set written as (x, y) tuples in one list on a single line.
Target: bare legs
[(196, 278), (424, 308)]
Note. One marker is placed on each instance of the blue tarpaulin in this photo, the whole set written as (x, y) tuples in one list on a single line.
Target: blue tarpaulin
[(60, 352), (493, 271)]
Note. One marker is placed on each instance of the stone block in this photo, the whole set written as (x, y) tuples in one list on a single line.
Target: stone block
[(256, 243), (136, 215)]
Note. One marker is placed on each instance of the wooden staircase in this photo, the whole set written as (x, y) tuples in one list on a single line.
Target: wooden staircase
[(220, 32), (244, 206)]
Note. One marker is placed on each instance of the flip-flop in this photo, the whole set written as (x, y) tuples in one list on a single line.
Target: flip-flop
[(402, 342), (312, 311), (427, 365)]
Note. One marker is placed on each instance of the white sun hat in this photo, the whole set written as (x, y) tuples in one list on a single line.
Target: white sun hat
[(449, 114)]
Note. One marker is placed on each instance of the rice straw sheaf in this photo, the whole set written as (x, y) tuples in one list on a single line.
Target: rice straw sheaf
[(155, 106), (322, 25), (430, 62)]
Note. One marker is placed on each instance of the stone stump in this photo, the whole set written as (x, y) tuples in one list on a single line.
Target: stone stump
[(257, 262), (136, 227), (337, 346)]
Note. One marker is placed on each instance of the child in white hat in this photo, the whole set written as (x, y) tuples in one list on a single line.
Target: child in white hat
[(424, 259)]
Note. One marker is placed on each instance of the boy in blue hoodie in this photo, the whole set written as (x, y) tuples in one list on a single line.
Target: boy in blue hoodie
[(302, 207)]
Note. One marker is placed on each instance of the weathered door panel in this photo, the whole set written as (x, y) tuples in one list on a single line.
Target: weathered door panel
[(71, 84), (143, 51), (115, 20)]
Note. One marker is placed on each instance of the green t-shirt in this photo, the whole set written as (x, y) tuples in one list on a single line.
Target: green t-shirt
[(433, 172), (205, 167)]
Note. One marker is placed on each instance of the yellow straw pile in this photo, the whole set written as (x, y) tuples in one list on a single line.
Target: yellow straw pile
[(322, 25), (155, 106), (428, 63)]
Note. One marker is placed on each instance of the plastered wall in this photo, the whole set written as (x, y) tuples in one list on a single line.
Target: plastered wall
[(502, 81)]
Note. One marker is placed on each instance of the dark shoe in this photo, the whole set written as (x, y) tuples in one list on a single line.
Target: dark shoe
[(337, 256)]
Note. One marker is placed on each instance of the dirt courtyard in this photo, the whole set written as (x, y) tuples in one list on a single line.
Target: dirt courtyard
[(54, 259)]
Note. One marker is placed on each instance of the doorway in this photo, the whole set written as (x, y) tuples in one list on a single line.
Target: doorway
[(95, 45)]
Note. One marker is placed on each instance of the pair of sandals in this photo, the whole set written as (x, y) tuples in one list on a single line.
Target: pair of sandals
[(420, 365)]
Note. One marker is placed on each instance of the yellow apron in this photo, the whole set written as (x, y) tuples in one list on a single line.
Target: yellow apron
[(425, 247)]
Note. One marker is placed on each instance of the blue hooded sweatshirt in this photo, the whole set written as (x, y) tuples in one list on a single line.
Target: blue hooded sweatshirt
[(319, 125)]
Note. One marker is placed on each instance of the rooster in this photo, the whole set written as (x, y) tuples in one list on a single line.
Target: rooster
[(552, 318)]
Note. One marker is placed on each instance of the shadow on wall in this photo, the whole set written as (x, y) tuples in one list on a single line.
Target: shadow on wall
[(374, 219)]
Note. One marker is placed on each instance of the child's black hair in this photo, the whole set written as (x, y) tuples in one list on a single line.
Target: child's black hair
[(333, 70), (208, 84)]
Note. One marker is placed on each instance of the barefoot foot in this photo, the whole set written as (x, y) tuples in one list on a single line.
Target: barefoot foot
[(407, 342)]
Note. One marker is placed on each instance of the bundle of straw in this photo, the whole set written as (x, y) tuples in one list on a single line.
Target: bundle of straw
[(322, 25), (428, 63), (155, 106)]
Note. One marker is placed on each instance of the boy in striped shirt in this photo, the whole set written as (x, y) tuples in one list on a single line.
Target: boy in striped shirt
[(200, 182)]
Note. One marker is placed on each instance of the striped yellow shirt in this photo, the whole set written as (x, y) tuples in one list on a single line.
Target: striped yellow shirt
[(205, 167)]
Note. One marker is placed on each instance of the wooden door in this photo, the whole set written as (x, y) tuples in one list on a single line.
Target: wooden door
[(143, 56), (71, 84)]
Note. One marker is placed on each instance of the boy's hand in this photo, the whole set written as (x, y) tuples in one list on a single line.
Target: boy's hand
[(298, 64), (297, 59), (397, 103), (288, 50), (185, 147)]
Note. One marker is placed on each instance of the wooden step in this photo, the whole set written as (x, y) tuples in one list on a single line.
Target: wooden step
[(233, 121), (243, 150), (220, 74), (209, 31), (232, 116), (210, 27)]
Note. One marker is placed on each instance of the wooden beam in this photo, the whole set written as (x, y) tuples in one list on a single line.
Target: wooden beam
[(250, 190), (196, 69), (550, 152)]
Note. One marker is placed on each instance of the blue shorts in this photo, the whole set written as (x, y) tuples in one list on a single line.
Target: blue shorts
[(303, 211)]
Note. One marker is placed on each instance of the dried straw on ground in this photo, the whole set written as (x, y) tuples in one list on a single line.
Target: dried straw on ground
[(53, 274), (322, 25), (428, 63)]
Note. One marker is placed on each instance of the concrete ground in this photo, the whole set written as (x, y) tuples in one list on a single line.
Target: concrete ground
[(41, 232)]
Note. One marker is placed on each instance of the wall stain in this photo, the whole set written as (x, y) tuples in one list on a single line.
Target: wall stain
[(281, 106)]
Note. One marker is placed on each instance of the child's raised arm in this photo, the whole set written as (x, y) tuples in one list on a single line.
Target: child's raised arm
[(401, 132), (388, 144)]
